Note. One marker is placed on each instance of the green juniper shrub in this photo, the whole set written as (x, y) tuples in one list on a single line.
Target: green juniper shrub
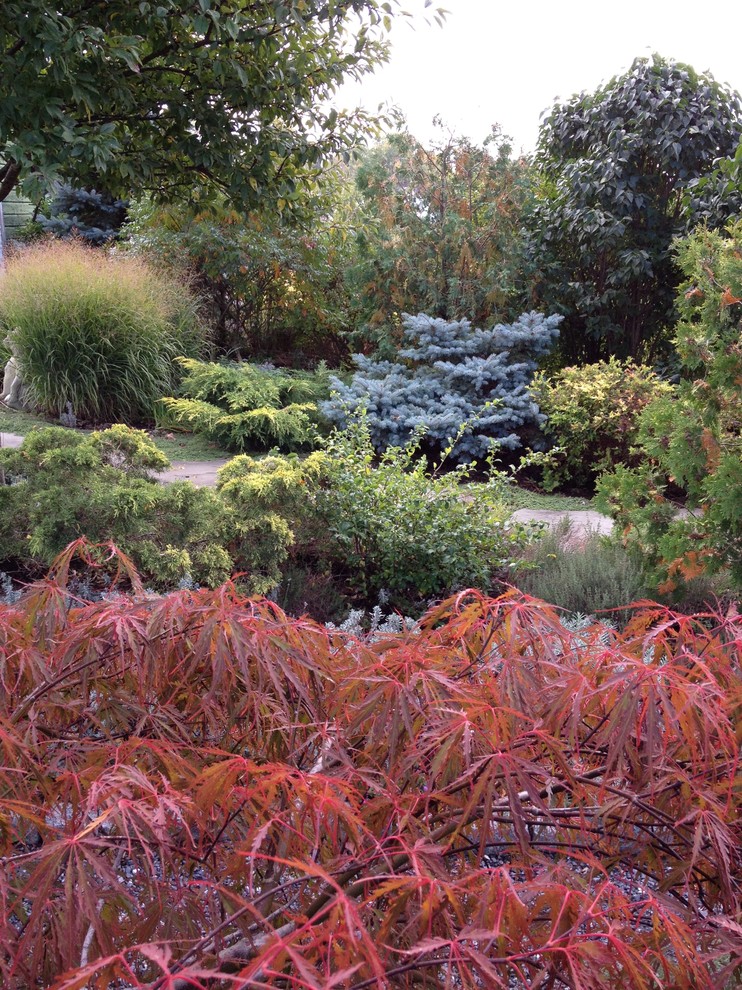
[(592, 415), (247, 406), (67, 485), (97, 331), (62, 485), (693, 440), (584, 579), (394, 528)]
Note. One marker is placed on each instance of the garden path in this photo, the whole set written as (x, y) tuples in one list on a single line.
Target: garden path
[(203, 473)]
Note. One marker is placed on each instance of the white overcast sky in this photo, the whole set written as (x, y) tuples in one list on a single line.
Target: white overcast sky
[(505, 61)]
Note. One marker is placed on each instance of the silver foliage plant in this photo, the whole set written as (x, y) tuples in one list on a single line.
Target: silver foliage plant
[(450, 380)]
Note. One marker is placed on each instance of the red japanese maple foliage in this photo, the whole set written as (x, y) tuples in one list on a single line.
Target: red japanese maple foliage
[(198, 792)]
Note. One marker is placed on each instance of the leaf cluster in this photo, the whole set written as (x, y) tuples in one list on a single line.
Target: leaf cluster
[(199, 793), (181, 96)]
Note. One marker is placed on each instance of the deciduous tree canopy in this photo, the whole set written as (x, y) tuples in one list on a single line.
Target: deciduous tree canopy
[(173, 94), (616, 165), (442, 229)]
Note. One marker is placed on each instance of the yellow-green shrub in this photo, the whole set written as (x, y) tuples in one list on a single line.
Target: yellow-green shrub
[(592, 417)]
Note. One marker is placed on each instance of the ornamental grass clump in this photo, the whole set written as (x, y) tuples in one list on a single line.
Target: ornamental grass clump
[(95, 332)]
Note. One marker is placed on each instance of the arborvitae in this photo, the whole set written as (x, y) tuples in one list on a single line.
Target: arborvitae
[(447, 375)]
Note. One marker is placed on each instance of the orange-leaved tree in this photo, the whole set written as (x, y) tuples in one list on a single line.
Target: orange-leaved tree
[(197, 792)]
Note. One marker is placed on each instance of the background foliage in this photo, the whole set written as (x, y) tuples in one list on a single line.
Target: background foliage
[(274, 287), (617, 167), (179, 95), (440, 233), (95, 217)]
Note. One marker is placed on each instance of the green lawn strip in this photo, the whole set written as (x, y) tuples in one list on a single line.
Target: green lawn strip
[(514, 497), (12, 421), (176, 446), (521, 498)]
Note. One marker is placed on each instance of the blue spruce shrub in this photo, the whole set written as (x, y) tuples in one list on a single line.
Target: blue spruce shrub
[(448, 376)]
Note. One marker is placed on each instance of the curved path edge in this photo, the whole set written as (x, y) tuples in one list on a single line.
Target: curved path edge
[(582, 523)]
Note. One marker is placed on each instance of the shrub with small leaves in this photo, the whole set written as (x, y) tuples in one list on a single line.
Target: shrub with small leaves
[(394, 528), (592, 415), (267, 500), (66, 485), (248, 406), (450, 380)]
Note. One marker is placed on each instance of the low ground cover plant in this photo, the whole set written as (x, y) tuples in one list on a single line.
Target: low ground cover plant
[(197, 792), (94, 333), (62, 485), (592, 417), (586, 579), (450, 380), (248, 406)]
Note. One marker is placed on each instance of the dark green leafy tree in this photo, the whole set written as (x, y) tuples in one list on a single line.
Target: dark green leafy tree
[(616, 166), (177, 94), (441, 230)]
